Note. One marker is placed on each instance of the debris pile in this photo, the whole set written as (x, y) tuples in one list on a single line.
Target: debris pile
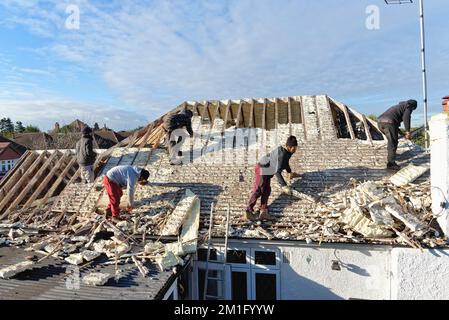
[(361, 212), (82, 239)]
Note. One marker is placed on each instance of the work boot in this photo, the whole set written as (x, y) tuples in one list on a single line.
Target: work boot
[(264, 215), (393, 166), (115, 219), (108, 212), (249, 215)]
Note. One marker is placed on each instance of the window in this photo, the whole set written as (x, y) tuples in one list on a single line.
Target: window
[(236, 256), (202, 254), (265, 286), (265, 258), (239, 285)]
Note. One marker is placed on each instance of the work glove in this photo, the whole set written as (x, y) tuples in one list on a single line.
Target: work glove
[(294, 175), (287, 190)]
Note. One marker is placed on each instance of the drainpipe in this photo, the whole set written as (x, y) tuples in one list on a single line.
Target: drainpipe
[(439, 168)]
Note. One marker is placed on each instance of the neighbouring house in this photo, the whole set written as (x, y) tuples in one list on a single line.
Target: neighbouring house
[(58, 138), (10, 154), (362, 236)]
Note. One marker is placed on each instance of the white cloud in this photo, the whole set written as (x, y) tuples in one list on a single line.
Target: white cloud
[(153, 55), (45, 113)]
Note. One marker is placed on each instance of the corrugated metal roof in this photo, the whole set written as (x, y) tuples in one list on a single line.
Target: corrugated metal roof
[(53, 279)]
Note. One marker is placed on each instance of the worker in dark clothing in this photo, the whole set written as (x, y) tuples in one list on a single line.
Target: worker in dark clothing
[(389, 123), (85, 155), (175, 134), (271, 165)]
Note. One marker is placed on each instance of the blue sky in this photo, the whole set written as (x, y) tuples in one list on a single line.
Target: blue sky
[(132, 61)]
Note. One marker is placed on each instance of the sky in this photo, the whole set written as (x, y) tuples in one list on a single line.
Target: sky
[(125, 63)]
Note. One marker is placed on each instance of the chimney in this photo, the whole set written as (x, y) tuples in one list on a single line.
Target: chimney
[(446, 104), (439, 168)]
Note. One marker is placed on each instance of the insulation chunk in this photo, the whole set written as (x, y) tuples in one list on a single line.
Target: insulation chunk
[(408, 174), (96, 278), (15, 269)]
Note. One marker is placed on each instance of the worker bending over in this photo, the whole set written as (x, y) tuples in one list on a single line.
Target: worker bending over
[(271, 165), (175, 136), (389, 123), (118, 178)]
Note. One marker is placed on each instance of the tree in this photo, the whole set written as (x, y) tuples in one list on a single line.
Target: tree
[(30, 128), (96, 126), (19, 128), (6, 126), (373, 117)]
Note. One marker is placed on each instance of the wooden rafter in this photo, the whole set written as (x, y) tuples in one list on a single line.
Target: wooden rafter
[(303, 119), (47, 179), (24, 178), (252, 114), (264, 114), (367, 129), (239, 114), (289, 107), (276, 113), (16, 167), (32, 184), (226, 117), (344, 108), (58, 181), (214, 114), (206, 110), (18, 173)]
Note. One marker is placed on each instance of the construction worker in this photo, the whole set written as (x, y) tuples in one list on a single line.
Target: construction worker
[(389, 123), (118, 178), (85, 155), (174, 126), (271, 164)]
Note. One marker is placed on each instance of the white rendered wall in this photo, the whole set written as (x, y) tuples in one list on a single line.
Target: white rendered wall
[(419, 275), (439, 160), (364, 273), (371, 272)]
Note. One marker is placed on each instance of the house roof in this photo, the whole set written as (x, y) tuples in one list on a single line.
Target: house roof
[(337, 146), (330, 154), (34, 140), (17, 147), (7, 151), (48, 280)]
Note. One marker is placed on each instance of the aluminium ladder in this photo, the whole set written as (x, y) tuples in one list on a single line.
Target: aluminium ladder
[(224, 263)]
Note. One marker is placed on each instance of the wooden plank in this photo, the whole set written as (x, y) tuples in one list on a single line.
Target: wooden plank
[(303, 119), (206, 110), (214, 115), (226, 117), (58, 181), (46, 180), (30, 185), (367, 129), (264, 114), (276, 113), (239, 114), (14, 169), (289, 106), (12, 192), (18, 174), (143, 141), (251, 114), (344, 108)]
